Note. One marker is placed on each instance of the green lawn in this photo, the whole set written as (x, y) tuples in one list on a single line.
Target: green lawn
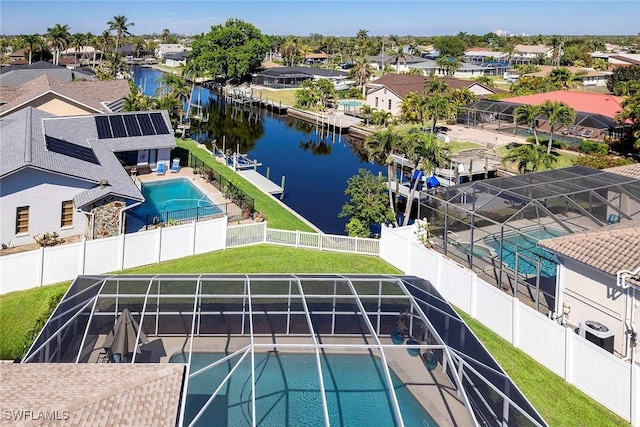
[(276, 215), (166, 69), (286, 96), (558, 402), (564, 159)]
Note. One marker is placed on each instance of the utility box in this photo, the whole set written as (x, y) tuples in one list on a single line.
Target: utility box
[(597, 333)]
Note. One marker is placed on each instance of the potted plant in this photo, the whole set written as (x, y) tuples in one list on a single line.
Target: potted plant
[(429, 357), (399, 332)]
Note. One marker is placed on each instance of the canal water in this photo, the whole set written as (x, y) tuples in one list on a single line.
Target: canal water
[(316, 164)]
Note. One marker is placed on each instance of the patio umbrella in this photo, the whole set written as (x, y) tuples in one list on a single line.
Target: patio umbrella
[(122, 338)]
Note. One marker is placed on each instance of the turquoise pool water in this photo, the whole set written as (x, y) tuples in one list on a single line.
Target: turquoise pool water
[(350, 103), (527, 247), (172, 195), (287, 392)]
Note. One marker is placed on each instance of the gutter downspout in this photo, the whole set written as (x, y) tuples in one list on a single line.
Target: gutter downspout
[(630, 312), (122, 214)]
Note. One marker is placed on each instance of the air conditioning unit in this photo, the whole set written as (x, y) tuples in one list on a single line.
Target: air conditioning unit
[(597, 333)]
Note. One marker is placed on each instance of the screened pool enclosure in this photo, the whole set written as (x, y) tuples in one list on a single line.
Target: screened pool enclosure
[(283, 349), (494, 225)]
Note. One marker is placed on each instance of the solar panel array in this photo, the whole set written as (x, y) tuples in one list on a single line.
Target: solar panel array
[(72, 150), (124, 126)]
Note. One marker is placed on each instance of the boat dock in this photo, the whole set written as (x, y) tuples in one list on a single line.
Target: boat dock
[(252, 97), (265, 185), (337, 121)]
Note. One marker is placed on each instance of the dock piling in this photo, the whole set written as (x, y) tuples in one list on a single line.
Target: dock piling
[(282, 185)]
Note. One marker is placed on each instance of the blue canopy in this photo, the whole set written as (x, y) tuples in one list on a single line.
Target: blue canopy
[(433, 181)]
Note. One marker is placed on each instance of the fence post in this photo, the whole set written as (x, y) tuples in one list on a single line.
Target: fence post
[(264, 231), (121, 260), (40, 266), (357, 244), (634, 416), (297, 238), (83, 254), (193, 237), (515, 318), (472, 295), (568, 355), (320, 241), (159, 244)]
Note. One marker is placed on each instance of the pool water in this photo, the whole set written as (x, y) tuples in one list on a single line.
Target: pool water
[(350, 103), (288, 392), (526, 247)]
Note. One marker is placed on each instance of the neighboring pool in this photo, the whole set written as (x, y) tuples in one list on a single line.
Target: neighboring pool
[(176, 199), (479, 250), (527, 247), (288, 392), (350, 103)]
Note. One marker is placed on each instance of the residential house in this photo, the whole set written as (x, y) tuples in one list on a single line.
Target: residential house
[(598, 284), (387, 92), (589, 76), (623, 60), (163, 49), (316, 58), (398, 64), (65, 99), (67, 174), (16, 75), (291, 77), (175, 59), (465, 70), (527, 54)]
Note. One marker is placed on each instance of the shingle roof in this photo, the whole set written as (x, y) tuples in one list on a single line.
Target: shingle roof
[(595, 103), (15, 75), (609, 249), (83, 156), (309, 71), (632, 171), (98, 394), (91, 94), (403, 84)]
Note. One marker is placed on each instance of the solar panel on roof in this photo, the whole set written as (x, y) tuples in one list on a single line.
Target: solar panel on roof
[(69, 149), (117, 126), (103, 127), (145, 124), (133, 128), (159, 124)]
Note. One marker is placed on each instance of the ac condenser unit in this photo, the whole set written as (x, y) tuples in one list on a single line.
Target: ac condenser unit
[(597, 333)]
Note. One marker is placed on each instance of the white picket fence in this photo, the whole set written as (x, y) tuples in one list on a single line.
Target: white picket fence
[(46, 266), (606, 378)]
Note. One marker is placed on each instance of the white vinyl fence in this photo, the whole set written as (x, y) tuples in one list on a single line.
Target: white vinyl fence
[(46, 266), (606, 378)]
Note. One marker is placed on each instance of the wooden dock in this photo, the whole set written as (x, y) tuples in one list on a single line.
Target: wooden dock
[(251, 97), (261, 182), (338, 121)]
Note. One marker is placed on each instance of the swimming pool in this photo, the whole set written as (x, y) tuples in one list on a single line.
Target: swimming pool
[(175, 199), (350, 103), (528, 251), (288, 392)]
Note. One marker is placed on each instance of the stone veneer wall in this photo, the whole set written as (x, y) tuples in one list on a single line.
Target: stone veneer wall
[(106, 217)]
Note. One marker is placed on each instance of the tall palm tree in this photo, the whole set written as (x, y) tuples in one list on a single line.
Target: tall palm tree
[(414, 108), (439, 107), (425, 153), (631, 113), (31, 40), (557, 113), (361, 72), (529, 114), (362, 37), (530, 158), (77, 42), (564, 79), (105, 41), (435, 86), (120, 25), (380, 146), (366, 111), (398, 58), (289, 51), (59, 38)]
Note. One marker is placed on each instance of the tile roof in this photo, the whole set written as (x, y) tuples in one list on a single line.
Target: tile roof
[(403, 84), (546, 69), (83, 157), (98, 394), (608, 249), (632, 171), (633, 59), (93, 95), (523, 48), (594, 103)]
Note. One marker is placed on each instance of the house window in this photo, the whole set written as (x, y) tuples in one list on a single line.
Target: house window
[(376, 102), (67, 214), (22, 220), (389, 104)]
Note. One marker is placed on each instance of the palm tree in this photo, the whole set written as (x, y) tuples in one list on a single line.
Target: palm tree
[(528, 114), (366, 111), (361, 72), (439, 107), (59, 37), (31, 40), (77, 42), (165, 35), (485, 81), (435, 86), (361, 39), (530, 158), (631, 113), (380, 146), (414, 108), (425, 153), (289, 51), (564, 79), (557, 112), (449, 64), (105, 41), (398, 57), (120, 25)]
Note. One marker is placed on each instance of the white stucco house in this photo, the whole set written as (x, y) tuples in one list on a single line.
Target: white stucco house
[(69, 174), (175, 59), (163, 49), (387, 92)]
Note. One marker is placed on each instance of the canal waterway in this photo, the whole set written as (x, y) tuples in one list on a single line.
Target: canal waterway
[(316, 164)]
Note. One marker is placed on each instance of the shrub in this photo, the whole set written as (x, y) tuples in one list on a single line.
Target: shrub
[(592, 147), (48, 239), (601, 161)]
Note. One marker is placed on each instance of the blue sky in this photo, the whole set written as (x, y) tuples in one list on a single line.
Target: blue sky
[(340, 18)]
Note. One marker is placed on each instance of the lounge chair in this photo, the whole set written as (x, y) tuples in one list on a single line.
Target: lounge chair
[(175, 166), (587, 133), (162, 168)]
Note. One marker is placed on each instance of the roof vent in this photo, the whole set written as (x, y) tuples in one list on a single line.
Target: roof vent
[(103, 183)]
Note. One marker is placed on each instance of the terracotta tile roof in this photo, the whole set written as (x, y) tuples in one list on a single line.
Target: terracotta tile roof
[(608, 249), (99, 394), (403, 84), (631, 171), (546, 69), (89, 93), (595, 103)]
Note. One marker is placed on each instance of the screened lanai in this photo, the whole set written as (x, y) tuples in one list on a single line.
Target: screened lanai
[(294, 349), (494, 225), (499, 116)]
